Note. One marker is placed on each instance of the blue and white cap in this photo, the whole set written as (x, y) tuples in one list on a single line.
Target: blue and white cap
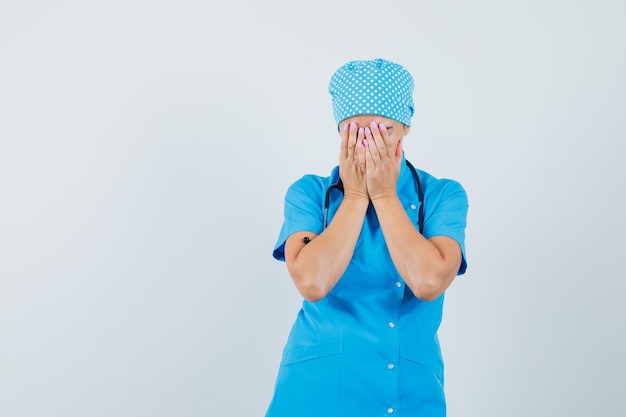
[(378, 87)]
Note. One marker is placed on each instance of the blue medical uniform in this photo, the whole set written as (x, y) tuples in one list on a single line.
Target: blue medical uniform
[(370, 347)]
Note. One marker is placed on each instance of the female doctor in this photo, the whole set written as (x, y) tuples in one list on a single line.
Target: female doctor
[(371, 248)]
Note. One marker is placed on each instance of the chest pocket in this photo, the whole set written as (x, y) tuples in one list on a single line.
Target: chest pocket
[(307, 353)]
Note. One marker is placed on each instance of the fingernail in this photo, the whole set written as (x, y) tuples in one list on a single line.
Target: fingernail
[(352, 126), (361, 131), (365, 142), (373, 124), (367, 130), (382, 127), (345, 127)]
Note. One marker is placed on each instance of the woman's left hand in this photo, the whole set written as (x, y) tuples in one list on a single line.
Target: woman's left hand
[(383, 157)]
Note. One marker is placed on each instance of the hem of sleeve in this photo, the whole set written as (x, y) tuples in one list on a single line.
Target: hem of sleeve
[(463, 266), (279, 250)]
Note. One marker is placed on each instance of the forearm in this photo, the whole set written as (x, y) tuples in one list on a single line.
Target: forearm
[(418, 261), (321, 263)]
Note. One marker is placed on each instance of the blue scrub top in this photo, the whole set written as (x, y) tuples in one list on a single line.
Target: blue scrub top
[(370, 347)]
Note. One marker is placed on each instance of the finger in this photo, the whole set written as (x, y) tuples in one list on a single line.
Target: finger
[(371, 145), (366, 145), (381, 137), (352, 139), (343, 133), (399, 152), (361, 135), (384, 133), (360, 154), (367, 155)]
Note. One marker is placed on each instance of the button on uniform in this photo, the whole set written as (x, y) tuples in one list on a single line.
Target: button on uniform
[(392, 324), (390, 410)]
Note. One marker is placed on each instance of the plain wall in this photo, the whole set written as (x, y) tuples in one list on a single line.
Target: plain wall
[(146, 147)]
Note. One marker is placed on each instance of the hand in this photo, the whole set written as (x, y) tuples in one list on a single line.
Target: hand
[(383, 157), (351, 162)]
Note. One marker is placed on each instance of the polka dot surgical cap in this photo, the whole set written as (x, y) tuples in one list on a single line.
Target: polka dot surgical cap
[(378, 87)]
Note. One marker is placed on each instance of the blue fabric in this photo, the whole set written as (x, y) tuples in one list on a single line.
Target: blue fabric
[(378, 87), (370, 347)]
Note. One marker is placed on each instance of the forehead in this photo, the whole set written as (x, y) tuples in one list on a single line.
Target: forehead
[(366, 119)]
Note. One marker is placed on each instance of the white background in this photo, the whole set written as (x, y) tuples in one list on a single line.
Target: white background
[(146, 146)]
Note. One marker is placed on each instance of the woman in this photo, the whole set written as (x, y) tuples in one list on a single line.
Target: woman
[(372, 263)]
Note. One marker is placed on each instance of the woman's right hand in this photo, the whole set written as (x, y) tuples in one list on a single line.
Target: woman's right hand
[(352, 162)]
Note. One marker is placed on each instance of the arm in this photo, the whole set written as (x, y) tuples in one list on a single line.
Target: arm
[(428, 266), (317, 266)]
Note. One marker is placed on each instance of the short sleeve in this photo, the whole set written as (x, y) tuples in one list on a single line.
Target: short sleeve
[(446, 214), (303, 211)]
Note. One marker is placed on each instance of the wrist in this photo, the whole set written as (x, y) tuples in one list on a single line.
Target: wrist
[(356, 195), (387, 195)]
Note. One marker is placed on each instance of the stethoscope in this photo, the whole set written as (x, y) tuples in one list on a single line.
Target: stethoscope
[(418, 188)]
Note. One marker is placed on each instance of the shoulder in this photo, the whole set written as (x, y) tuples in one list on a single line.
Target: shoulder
[(312, 185), (308, 182), (441, 188)]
